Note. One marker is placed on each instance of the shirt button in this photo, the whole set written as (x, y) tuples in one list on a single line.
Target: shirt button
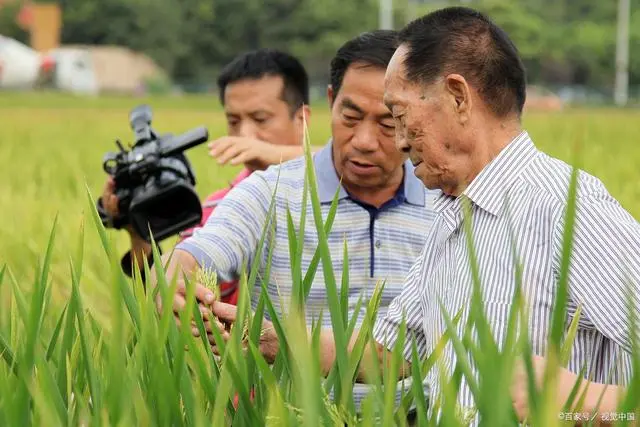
[(378, 244)]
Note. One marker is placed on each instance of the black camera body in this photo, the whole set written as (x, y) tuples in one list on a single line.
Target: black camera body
[(154, 182)]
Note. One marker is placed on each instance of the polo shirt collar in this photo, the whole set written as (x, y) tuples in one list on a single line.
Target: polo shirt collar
[(329, 183), (326, 176)]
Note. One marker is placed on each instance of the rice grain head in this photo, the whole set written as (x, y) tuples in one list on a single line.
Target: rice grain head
[(208, 278)]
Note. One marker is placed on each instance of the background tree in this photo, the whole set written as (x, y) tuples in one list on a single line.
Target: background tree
[(563, 42)]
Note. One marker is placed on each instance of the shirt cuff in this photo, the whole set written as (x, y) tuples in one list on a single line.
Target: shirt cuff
[(385, 332)]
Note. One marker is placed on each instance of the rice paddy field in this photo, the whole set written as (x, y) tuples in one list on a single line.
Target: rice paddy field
[(82, 346)]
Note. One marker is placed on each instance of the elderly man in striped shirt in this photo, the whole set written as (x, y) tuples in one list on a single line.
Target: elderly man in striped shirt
[(383, 211), (456, 89)]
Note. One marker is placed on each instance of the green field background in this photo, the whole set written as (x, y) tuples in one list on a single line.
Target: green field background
[(51, 150)]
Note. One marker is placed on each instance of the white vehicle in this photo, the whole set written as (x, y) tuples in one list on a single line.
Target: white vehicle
[(20, 66), (75, 71), (68, 70), (85, 70)]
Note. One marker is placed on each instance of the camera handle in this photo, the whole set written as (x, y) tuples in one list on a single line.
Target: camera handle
[(109, 221), (185, 141)]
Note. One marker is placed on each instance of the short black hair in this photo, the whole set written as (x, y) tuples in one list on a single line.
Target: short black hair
[(265, 62), (373, 48), (464, 41)]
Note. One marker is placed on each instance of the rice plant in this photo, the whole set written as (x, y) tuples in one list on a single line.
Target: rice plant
[(63, 365)]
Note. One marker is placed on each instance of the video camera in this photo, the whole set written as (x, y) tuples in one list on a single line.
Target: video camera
[(154, 182)]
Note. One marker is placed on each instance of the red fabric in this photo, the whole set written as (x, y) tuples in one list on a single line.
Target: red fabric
[(236, 399), (47, 64), (229, 290)]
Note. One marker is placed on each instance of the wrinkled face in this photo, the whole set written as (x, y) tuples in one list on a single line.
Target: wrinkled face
[(426, 126), (254, 108), (364, 151)]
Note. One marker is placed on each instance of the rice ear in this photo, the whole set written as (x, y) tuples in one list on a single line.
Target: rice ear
[(209, 279)]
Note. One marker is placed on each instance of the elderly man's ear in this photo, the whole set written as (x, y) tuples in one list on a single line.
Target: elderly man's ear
[(459, 93)]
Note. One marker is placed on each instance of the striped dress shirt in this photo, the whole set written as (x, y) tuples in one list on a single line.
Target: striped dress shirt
[(518, 201), (382, 243)]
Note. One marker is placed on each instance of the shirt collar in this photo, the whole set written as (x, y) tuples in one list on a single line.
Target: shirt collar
[(489, 189), (329, 183)]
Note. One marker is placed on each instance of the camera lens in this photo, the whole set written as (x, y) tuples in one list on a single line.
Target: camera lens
[(110, 166)]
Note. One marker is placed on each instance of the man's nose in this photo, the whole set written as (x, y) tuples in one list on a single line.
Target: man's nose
[(247, 129), (401, 140), (365, 138)]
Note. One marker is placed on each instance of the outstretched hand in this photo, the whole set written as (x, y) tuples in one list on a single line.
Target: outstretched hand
[(238, 150), (204, 298), (226, 315)]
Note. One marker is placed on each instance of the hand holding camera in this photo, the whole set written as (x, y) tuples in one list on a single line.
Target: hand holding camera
[(151, 188)]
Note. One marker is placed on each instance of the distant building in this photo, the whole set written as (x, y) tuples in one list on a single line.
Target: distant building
[(100, 69), (76, 68)]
